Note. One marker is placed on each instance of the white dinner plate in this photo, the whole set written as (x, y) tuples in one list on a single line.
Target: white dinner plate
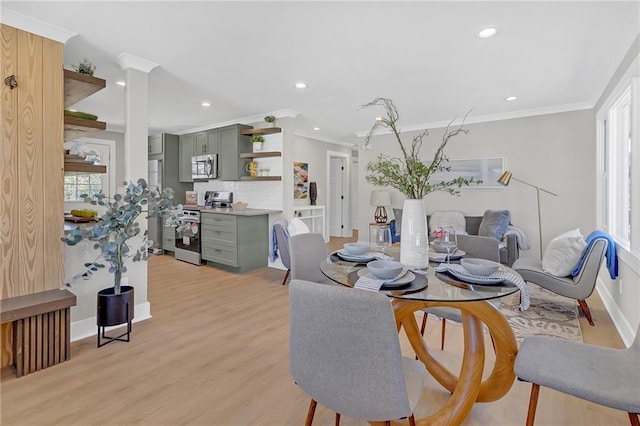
[(442, 257), (363, 258), (403, 280), (475, 279)]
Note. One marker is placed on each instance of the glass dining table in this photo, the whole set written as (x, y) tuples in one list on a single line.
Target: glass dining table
[(431, 289)]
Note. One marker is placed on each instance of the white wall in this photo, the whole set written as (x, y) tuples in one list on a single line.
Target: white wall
[(555, 151)]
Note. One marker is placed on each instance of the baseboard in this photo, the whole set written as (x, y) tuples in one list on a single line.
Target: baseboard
[(622, 325), (87, 327)]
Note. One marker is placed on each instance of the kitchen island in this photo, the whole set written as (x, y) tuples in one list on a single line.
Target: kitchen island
[(236, 239)]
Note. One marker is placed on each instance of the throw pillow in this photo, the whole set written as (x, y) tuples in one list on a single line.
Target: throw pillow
[(494, 224), (297, 226), (444, 218), (397, 214), (563, 253)]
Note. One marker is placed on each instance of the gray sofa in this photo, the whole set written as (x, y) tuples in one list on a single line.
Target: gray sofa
[(478, 246)]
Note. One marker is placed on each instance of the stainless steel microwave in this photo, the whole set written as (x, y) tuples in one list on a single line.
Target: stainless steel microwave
[(204, 167)]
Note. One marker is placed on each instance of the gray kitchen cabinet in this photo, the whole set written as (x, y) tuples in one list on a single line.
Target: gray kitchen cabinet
[(232, 143), (206, 142), (155, 145), (187, 146), (163, 171), (241, 242), (169, 238)]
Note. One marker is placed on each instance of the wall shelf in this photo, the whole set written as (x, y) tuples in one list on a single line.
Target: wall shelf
[(263, 178), (261, 131), (263, 154), (84, 167), (77, 87)]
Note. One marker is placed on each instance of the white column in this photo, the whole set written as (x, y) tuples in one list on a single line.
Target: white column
[(135, 158)]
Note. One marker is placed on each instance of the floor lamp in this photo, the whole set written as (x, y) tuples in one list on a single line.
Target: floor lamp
[(506, 178)]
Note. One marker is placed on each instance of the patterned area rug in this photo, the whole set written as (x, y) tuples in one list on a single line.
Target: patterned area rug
[(549, 314)]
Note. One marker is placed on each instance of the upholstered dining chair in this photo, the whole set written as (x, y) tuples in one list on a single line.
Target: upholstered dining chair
[(579, 287), (282, 238), (307, 251), (344, 352), (605, 376), (480, 248)]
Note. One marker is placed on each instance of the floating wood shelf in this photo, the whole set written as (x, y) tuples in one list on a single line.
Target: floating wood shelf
[(261, 131), (260, 154), (79, 86), (75, 127), (263, 178), (84, 167)]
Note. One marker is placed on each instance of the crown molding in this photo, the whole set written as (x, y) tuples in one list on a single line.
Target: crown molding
[(35, 26), (127, 60), (326, 139), (490, 117), (281, 113)]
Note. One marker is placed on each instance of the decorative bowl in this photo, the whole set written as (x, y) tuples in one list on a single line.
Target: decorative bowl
[(239, 206), (384, 269), (439, 248), (356, 249), (479, 266)]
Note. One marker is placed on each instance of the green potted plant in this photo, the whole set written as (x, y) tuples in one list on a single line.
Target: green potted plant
[(85, 67), (270, 119), (113, 234), (257, 141), (412, 176)]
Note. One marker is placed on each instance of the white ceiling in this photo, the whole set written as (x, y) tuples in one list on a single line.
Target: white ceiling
[(244, 58)]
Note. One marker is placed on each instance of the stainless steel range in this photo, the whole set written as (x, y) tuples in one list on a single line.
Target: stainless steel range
[(188, 242)]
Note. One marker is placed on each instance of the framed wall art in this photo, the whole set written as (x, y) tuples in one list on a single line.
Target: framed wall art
[(486, 169), (300, 180)]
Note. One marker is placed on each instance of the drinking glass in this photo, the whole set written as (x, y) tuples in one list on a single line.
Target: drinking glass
[(449, 241), (383, 238)]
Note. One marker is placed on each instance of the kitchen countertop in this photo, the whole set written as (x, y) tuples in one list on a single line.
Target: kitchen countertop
[(245, 212)]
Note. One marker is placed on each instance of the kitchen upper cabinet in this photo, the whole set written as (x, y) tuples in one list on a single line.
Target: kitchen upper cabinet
[(232, 143), (206, 142), (187, 146), (155, 145)]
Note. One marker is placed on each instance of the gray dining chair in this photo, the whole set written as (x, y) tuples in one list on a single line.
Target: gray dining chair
[(307, 251), (282, 239), (609, 377), (579, 287), (473, 246), (344, 352)]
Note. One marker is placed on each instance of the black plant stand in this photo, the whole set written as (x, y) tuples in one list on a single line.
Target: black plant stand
[(114, 309)]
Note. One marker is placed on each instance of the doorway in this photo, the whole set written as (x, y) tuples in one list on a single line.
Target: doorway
[(338, 195)]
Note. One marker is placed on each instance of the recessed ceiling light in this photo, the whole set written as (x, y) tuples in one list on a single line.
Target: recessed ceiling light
[(316, 129), (488, 32), (510, 98), (300, 85), (73, 110), (121, 83), (205, 104), (378, 118)]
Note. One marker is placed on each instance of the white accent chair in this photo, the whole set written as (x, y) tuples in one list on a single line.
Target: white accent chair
[(307, 251)]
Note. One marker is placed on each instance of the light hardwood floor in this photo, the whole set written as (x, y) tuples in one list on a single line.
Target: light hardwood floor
[(216, 353)]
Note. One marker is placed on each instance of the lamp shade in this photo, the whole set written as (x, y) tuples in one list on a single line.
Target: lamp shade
[(505, 178), (380, 198)]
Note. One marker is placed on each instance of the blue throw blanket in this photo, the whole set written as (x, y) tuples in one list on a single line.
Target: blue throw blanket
[(273, 253), (611, 254)]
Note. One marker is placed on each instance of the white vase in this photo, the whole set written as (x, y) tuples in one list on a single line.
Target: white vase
[(414, 237), (257, 146)]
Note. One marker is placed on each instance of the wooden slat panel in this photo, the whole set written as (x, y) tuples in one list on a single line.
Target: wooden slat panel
[(63, 335), (18, 345), (38, 346), (9, 242), (45, 340), (33, 347), (6, 338), (30, 160), (53, 166), (51, 337), (56, 338)]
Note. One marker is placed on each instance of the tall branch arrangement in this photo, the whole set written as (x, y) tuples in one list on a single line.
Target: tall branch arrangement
[(410, 175)]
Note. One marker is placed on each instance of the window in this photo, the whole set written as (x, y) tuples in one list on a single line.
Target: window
[(76, 184)]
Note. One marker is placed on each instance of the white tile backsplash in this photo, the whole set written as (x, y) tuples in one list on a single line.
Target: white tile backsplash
[(258, 194)]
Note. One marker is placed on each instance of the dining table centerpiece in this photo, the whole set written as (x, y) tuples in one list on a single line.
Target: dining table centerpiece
[(413, 177)]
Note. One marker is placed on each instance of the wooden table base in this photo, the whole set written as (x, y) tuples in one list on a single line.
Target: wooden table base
[(467, 388)]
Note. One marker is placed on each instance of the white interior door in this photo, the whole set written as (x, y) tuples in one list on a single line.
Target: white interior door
[(338, 197)]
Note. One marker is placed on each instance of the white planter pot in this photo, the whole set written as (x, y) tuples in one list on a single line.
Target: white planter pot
[(414, 236), (257, 146)]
